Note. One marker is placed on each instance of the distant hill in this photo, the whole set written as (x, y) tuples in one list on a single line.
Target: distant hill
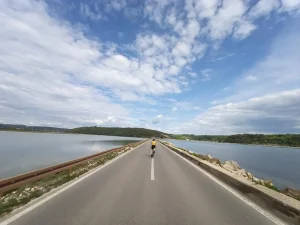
[(118, 131), (19, 127), (292, 140)]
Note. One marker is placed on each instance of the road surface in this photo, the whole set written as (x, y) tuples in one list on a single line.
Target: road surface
[(138, 190)]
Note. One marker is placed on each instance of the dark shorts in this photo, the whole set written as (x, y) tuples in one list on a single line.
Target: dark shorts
[(153, 147)]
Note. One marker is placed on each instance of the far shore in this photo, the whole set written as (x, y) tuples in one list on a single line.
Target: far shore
[(267, 145), (56, 132)]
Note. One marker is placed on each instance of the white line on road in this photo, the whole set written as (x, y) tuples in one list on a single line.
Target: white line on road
[(232, 191), (42, 201), (152, 169)]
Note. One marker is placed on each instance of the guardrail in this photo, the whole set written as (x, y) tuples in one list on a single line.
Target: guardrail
[(17, 181)]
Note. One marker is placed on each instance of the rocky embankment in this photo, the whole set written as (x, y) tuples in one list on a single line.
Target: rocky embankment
[(234, 168)]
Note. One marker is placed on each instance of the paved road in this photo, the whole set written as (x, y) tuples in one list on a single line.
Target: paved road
[(125, 192)]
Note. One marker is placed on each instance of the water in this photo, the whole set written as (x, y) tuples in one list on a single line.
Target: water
[(22, 152), (281, 165)]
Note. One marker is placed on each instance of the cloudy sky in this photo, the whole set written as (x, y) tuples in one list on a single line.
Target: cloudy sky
[(192, 66)]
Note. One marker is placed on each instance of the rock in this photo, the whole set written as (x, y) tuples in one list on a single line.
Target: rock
[(268, 183), (249, 175), (27, 189), (215, 161), (209, 156), (292, 193), (231, 166), (242, 173), (255, 179)]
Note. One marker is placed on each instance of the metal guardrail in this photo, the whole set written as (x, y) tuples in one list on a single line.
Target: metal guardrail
[(17, 181)]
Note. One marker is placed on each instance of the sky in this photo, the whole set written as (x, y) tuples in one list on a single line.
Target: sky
[(191, 66)]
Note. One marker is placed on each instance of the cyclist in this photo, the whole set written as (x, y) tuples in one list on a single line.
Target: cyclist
[(153, 146)]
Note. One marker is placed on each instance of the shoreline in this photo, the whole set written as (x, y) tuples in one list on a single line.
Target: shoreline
[(266, 145), (57, 132)]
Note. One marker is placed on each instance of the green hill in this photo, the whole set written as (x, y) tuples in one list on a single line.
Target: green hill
[(118, 131)]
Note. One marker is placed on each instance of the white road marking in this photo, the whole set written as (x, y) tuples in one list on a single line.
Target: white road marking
[(30, 208), (152, 169), (235, 193)]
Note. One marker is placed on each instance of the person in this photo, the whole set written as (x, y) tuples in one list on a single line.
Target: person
[(153, 145)]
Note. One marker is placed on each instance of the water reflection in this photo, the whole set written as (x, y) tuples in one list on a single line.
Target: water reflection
[(21, 152)]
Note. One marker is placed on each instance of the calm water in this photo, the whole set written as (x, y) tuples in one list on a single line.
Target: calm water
[(281, 165), (21, 152)]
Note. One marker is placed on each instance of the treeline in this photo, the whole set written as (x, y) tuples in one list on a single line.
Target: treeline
[(17, 127), (118, 131), (291, 140)]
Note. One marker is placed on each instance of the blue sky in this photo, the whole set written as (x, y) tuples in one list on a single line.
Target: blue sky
[(193, 66)]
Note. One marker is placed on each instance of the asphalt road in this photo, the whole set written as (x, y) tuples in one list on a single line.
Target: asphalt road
[(135, 190)]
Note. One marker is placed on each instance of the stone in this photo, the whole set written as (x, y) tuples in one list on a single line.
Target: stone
[(292, 193), (242, 173), (209, 156), (231, 166), (249, 175)]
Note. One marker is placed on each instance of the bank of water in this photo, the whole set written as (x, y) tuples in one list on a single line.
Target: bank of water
[(21, 152), (279, 164)]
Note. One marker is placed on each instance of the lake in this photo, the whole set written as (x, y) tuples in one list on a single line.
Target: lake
[(281, 165), (23, 151)]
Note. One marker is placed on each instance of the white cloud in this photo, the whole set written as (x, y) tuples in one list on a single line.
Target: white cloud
[(222, 24), (184, 105), (243, 29), (174, 109), (155, 9), (157, 119), (206, 74), (77, 69), (289, 5), (266, 114), (192, 74), (88, 12), (181, 49), (263, 8), (251, 78)]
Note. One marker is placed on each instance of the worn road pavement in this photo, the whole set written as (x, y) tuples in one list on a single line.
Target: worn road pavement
[(138, 190)]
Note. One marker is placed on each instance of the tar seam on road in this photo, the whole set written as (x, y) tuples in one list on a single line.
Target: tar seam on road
[(232, 191), (152, 169), (42, 201)]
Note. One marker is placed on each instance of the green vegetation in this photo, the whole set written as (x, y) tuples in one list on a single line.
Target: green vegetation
[(291, 140), (117, 131), (18, 127)]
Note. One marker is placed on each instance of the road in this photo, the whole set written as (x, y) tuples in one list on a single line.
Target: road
[(135, 189)]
